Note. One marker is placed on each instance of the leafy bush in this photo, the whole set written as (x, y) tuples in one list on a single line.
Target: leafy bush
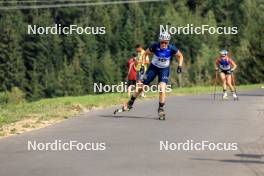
[(3, 97), (15, 96)]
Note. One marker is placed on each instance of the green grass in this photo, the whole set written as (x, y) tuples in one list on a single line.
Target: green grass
[(65, 107)]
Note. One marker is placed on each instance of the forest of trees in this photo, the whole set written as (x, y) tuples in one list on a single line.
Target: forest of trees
[(63, 65)]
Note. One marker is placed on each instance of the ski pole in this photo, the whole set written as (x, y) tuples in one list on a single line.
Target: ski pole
[(215, 82), (180, 80), (233, 81)]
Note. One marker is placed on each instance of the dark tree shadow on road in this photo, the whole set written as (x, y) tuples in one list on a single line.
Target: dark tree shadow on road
[(250, 95), (242, 161), (255, 156), (252, 161)]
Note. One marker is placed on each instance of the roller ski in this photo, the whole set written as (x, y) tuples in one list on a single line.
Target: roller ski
[(161, 114), (235, 96), (225, 96), (126, 107), (123, 109)]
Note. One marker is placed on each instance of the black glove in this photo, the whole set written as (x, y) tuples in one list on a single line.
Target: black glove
[(229, 71), (179, 69), (142, 69)]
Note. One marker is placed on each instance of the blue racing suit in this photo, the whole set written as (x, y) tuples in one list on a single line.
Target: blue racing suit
[(160, 64)]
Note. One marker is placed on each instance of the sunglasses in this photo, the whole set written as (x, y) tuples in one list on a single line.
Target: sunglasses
[(163, 42)]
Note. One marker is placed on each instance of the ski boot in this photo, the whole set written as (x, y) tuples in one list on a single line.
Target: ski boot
[(126, 107), (161, 113), (225, 97), (235, 96)]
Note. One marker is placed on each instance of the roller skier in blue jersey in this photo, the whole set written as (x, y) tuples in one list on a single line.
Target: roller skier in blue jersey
[(162, 52), (226, 66)]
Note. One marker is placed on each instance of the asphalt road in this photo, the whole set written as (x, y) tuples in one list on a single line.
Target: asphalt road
[(132, 141)]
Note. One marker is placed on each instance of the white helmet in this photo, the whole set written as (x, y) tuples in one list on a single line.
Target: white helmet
[(223, 52), (165, 36)]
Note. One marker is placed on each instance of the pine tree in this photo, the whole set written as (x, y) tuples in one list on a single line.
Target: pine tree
[(12, 70)]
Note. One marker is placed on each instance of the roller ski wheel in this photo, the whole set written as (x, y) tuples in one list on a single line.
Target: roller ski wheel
[(225, 98), (236, 99), (161, 114), (120, 110), (125, 108)]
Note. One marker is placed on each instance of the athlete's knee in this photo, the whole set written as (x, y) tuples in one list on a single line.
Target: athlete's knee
[(139, 85), (139, 89), (229, 83), (224, 80), (162, 87)]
